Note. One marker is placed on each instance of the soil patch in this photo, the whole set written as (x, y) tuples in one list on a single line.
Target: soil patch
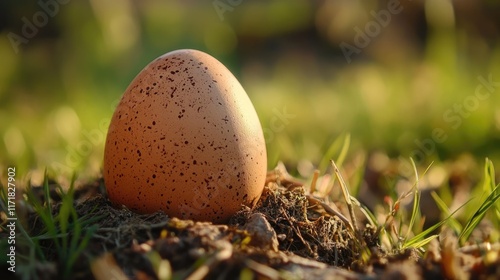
[(288, 235)]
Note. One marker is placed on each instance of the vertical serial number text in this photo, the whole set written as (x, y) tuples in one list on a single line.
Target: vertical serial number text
[(11, 218)]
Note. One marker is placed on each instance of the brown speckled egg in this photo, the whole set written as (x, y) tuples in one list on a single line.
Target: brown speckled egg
[(185, 139)]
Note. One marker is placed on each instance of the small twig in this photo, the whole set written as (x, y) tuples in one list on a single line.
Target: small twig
[(347, 197)]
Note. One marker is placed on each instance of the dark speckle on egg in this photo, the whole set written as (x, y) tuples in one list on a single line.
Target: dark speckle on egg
[(199, 147)]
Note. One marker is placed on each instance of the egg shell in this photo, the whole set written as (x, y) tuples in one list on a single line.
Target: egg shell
[(185, 139)]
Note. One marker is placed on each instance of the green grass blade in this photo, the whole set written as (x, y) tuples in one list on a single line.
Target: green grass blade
[(46, 193), (453, 223), (67, 212), (332, 150), (63, 218), (415, 213), (478, 216), (422, 236), (344, 150), (28, 270), (48, 236), (489, 176), (24, 233), (4, 197), (81, 245), (420, 244), (358, 177), (416, 200), (32, 242), (44, 211), (368, 214), (489, 185), (77, 230)]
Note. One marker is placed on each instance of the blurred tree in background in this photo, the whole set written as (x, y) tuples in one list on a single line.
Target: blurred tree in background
[(407, 78)]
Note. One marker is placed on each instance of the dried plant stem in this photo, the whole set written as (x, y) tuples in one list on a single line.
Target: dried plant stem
[(314, 181), (330, 210), (347, 197)]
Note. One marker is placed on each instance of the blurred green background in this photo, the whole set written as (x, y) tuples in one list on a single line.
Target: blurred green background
[(417, 70)]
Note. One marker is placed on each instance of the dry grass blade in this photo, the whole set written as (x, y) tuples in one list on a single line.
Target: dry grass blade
[(314, 181), (330, 210), (347, 196)]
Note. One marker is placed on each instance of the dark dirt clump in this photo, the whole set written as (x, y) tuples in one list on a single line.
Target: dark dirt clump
[(301, 229)]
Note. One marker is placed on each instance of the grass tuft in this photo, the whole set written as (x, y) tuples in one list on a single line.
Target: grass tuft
[(476, 218), (61, 231)]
